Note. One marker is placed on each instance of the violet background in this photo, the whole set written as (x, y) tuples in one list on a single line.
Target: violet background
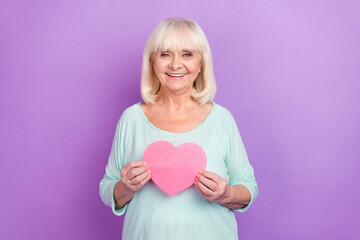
[(287, 70)]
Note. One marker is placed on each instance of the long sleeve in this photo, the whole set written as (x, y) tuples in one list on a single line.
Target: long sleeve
[(239, 169), (152, 214), (115, 163)]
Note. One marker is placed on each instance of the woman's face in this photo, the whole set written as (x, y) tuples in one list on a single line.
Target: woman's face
[(176, 70)]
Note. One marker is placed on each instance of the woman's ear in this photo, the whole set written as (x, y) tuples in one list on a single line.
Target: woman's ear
[(152, 56), (201, 68), (202, 64)]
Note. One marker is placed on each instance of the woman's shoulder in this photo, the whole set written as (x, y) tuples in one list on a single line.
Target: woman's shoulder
[(225, 120), (131, 113), (222, 112), (132, 110)]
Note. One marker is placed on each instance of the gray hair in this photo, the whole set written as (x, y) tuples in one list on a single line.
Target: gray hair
[(169, 35)]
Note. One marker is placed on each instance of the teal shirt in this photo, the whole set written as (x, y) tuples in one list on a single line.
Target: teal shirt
[(152, 214)]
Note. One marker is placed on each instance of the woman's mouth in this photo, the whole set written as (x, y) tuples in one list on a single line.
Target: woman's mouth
[(176, 75)]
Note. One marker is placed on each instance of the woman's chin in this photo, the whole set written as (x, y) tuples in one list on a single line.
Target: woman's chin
[(178, 89)]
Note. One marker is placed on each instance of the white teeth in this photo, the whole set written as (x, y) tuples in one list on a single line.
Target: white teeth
[(175, 75)]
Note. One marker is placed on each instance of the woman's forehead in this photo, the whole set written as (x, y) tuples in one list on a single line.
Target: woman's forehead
[(178, 50), (179, 42)]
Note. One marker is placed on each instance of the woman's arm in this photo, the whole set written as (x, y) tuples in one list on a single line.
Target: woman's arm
[(215, 189), (238, 197), (133, 177)]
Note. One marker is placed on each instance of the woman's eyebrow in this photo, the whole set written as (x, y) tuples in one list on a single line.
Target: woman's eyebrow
[(182, 50)]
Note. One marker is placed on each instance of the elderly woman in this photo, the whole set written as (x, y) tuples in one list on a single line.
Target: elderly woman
[(177, 86)]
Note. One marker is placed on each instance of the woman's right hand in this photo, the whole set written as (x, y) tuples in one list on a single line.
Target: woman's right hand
[(134, 176)]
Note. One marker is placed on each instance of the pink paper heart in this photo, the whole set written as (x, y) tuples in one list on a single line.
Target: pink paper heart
[(174, 169)]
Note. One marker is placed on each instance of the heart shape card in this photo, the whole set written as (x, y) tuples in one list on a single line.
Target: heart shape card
[(174, 169)]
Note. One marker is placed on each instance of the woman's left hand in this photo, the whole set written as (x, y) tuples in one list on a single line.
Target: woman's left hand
[(213, 187)]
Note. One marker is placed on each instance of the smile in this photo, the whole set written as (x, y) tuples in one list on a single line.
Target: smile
[(176, 75)]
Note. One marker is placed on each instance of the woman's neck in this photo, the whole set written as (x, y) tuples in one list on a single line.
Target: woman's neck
[(175, 101)]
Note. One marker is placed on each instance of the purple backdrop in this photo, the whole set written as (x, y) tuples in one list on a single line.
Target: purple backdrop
[(287, 70)]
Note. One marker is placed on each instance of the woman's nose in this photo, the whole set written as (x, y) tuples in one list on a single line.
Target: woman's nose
[(175, 62)]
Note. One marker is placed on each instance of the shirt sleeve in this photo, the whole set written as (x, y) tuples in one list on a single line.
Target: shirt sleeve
[(115, 163), (239, 169)]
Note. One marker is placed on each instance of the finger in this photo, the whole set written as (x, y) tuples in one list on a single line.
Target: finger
[(143, 182), (138, 179), (134, 172), (219, 181), (211, 176), (133, 164), (203, 189), (208, 183)]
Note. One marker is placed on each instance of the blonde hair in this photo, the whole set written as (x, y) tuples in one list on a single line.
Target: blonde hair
[(169, 34)]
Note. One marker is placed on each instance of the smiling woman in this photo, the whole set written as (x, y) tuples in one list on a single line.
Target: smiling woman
[(176, 70), (178, 40), (177, 87)]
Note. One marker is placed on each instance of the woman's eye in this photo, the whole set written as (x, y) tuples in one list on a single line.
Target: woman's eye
[(165, 55), (187, 55)]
